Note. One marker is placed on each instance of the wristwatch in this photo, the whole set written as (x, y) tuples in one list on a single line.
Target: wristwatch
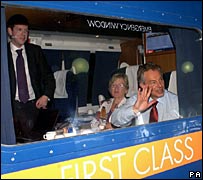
[(136, 112)]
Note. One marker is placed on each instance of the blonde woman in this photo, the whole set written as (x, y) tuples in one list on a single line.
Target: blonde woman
[(118, 88)]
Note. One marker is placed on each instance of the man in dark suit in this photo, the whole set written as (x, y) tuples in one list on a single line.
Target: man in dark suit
[(40, 81)]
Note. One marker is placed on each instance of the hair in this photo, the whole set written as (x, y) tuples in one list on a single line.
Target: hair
[(145, 67), (117, 76), (17, 19)]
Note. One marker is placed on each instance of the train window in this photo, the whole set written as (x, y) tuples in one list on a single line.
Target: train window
[(105, 43)]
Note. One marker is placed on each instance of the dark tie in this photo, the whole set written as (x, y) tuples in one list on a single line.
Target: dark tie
[(153, 113), (21, 78)]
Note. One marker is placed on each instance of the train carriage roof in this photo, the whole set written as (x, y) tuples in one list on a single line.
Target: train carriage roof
[(178, 13)]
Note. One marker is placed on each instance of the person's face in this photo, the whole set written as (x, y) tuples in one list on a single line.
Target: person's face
[(19, 34), (154, 80), (117, 89)]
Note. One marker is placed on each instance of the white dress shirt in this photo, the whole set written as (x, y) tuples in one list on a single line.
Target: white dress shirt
[(14, 56), (168, 109)]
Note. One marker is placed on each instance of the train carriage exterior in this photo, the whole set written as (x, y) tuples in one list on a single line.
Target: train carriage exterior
[(170, 149)]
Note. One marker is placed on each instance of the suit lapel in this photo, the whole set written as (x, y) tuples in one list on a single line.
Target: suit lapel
[(30, 61), (11, 72)]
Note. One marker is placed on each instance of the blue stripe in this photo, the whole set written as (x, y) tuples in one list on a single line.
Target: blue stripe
[(183, 13)]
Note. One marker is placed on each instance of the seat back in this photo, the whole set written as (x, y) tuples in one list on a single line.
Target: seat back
[(172, 87), (67, 106)]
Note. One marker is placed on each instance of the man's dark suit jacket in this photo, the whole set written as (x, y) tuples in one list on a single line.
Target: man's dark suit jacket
[(41, 76)]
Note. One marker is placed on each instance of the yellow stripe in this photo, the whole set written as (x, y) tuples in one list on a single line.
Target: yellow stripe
[(132, 162)]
